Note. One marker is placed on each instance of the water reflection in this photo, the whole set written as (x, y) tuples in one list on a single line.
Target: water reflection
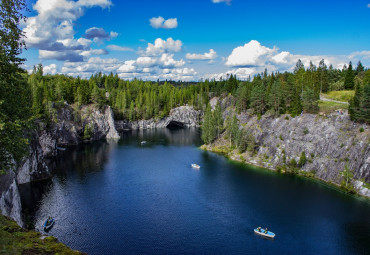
[(127, 198)]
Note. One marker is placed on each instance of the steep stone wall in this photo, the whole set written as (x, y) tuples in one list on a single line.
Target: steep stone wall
[(329, 142), (65, 131)]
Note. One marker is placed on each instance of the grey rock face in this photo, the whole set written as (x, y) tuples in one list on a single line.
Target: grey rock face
[(33, 167), (101, 122), (328, 142), (184, 115), (10, 201)]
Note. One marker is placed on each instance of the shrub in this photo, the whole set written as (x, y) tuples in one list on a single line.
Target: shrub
[(362, 129), (293, 163), (281, 138), (302, 159), (305, 131), (287, 117)]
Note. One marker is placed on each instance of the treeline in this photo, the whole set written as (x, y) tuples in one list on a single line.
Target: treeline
[(132, 100), (289, 93)]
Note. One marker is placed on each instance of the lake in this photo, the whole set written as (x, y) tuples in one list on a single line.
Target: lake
[(127, 198)]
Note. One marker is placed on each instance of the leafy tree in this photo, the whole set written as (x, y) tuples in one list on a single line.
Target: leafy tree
[(15, 101)]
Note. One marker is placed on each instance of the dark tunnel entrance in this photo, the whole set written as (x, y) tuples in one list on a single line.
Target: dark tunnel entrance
[(175, 125)]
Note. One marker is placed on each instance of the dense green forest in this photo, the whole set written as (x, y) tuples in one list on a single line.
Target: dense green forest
[(277, 93)]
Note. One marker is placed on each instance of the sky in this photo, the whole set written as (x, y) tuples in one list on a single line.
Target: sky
[(191, 40)]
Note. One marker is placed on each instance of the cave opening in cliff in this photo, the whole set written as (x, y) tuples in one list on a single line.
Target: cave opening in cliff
[(175, 125)]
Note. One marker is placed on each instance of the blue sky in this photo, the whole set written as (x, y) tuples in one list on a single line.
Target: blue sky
[(193, 39)]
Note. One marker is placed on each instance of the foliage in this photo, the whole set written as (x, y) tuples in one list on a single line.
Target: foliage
[(302, 159), (213, 123), (14, 91), (349, 79), (347, 176), (359, 106)]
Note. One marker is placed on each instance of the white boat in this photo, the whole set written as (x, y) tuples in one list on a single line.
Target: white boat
[(195, 166), (143, 142), (263, 232)]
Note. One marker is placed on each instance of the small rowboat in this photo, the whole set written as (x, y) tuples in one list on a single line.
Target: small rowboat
[(262, 232), (48, 224), (143, 142), (195, 166)]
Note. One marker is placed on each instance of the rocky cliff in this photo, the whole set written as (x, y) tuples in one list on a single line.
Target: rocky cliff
[(329, 143), (69, 127), (183, 116)]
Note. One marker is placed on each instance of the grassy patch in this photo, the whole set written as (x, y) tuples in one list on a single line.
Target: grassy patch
[(328, 107), (15, 240), (343, 95)]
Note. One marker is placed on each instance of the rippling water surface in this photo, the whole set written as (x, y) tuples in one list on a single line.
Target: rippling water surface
[(125, 198)]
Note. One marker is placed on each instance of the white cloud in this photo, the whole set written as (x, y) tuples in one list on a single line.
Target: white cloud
[(241, 73), (368, 5), (118, 48), (205, 56), (160, 22), (52, 30), (50, 69), (161, 46), (228, 2), (251, 54)]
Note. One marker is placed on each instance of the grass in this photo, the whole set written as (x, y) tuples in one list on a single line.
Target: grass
[(328, 107), (343, 95), (15, 240)]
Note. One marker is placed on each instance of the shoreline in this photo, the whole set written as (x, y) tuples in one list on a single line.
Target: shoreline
[(307, 176)]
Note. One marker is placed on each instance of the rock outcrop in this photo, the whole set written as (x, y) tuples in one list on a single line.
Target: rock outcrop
[(185, 116), (330, 143), (10, 201), (66, 130)]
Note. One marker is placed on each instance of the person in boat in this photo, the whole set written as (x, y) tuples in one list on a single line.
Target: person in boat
[(266, 231), (259, 229)]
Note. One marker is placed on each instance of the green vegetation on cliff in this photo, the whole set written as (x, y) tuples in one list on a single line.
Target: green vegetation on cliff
[(15, 240)]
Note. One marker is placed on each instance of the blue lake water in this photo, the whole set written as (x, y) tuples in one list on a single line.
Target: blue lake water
[(127, 198)]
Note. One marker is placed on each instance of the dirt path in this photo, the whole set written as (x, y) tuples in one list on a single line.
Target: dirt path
[(323, 98)]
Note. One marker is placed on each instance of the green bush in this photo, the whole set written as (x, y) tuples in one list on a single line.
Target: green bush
[(302, 159), (362, 129), (305, 131)]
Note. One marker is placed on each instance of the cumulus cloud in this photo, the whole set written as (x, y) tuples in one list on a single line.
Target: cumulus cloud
[(50, 69), (205, 56), (161, 46), (93, 65), (160, 22), (98, 34), (118, 48), (251, 54), (52, 32), (228, 2), (252, 58)]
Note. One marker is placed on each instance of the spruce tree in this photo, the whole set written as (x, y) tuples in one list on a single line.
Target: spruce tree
[(349, 79)]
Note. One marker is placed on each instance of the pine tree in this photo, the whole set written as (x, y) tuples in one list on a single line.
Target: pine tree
[(349, 79), (218, 119)]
